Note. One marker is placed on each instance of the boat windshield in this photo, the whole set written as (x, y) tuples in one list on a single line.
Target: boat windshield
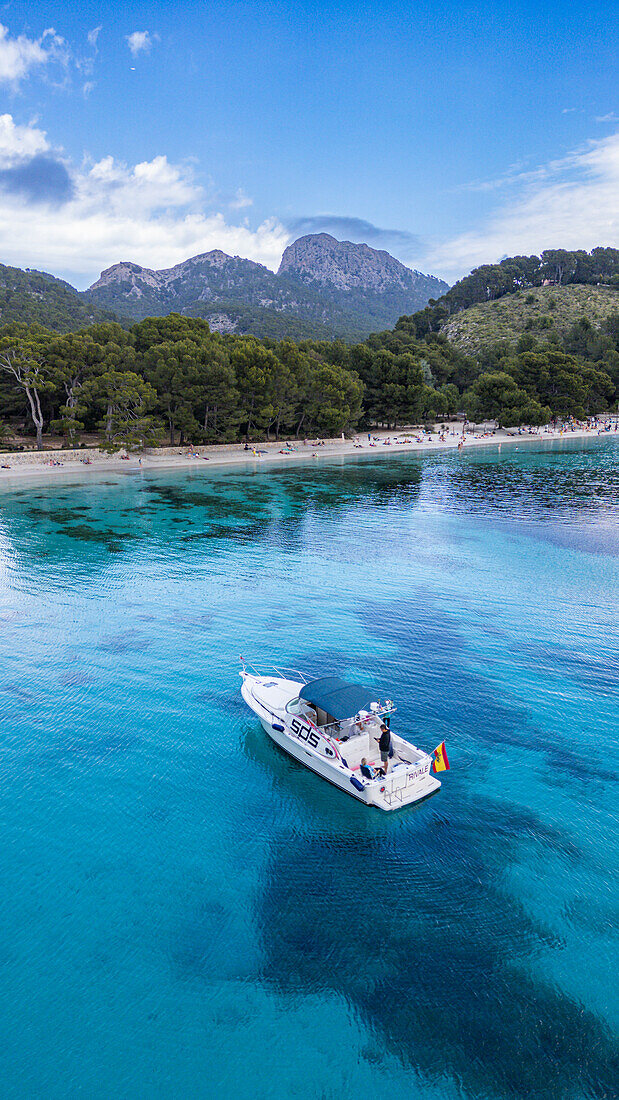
[(303, 709)]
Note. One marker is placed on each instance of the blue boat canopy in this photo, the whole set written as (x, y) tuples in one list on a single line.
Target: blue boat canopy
[(337, 698)]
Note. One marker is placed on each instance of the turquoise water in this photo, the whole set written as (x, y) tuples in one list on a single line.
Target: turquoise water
[(187, 912)]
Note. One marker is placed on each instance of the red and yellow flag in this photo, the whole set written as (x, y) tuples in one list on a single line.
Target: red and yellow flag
[(440, 762)]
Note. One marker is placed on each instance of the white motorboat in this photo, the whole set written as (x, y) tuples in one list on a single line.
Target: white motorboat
[(331, 726)]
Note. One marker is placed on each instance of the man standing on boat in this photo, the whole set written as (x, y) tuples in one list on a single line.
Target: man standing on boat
[(384, 744)]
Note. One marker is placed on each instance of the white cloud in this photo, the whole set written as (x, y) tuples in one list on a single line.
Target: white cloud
[(140, 42), (570, 203), (19, 143), (514, 175), (154, 213), (85, 62), (610, 117), (18, 56), (146, 189), (240, 200)]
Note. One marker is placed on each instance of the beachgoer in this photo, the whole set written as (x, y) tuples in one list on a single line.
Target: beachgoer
[(384, 744), (366, 770)]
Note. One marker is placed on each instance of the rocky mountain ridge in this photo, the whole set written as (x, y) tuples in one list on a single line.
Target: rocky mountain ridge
[(126, 273), (323, 288)]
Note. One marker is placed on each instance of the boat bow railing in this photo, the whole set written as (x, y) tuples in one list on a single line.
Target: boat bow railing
[(274, 670)]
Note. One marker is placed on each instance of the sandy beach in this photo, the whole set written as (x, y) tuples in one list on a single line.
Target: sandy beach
[(51, 465)]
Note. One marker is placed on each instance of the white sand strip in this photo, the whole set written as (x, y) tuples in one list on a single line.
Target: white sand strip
[(36, 466)]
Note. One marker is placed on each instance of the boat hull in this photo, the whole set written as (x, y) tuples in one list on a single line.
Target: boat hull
[(289, 745)]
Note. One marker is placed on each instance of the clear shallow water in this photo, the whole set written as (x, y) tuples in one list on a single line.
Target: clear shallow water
[(184, 911)]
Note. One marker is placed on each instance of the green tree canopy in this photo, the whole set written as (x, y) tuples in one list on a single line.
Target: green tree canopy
[(496, 396), (173, 372), (127, 400), (561, 382)]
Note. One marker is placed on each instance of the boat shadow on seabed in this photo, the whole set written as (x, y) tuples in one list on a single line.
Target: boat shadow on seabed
[(410, 923)]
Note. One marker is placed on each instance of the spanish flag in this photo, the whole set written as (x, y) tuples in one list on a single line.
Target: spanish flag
[(440, 762)]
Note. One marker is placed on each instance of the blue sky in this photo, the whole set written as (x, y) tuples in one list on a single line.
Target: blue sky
[(449, 133)]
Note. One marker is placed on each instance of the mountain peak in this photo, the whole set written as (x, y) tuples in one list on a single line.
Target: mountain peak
[(125, 273), (320, 258)]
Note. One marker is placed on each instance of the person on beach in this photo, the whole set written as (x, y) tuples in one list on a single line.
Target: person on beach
[(384, 744)]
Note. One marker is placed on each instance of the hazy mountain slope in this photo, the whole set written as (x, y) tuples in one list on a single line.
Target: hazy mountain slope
[(324, 288), (37, 298), (540, 311), (232, 294), (321, 260), (141, 292)]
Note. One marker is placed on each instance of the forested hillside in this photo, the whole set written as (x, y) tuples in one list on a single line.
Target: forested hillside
[(531, 337), (525, 384), (555, 267), (33, 297), (545, 313)]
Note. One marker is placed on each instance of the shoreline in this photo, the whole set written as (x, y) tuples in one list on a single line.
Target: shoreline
[(234, 455)]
